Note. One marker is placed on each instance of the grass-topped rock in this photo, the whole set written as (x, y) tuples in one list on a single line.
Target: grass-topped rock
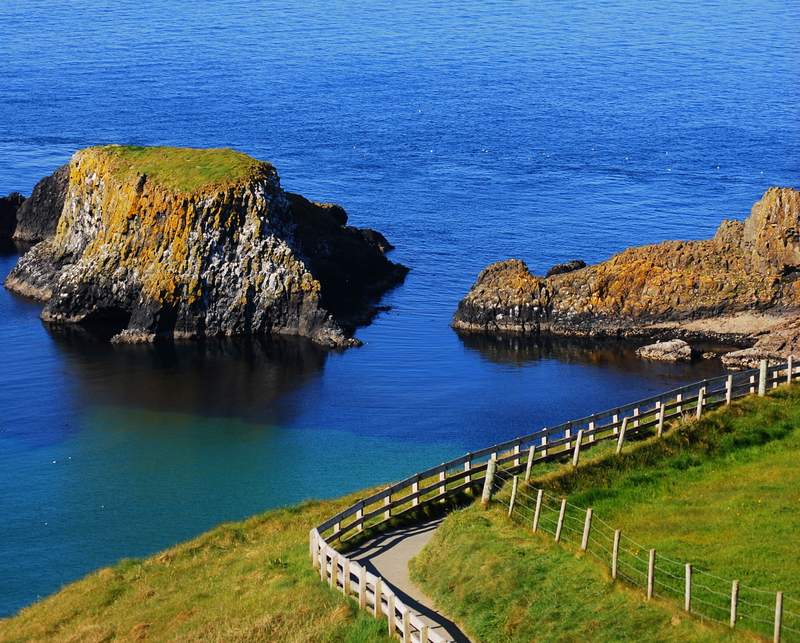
[(179, 242)]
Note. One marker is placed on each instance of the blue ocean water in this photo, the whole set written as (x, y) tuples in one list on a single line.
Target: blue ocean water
[(466, 132)]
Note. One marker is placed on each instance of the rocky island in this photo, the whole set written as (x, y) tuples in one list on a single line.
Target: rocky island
[(741, 287), (158, 242)]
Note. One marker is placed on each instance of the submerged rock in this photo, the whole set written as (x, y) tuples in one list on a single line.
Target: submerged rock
[(750, 265), (8, 214), (168, 242), (38, 216), (673, 350)]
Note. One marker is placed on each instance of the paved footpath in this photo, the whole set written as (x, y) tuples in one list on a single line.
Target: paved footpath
[(387, 555)]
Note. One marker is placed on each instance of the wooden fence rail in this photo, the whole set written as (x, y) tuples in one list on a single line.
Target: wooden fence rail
[(451, 479)]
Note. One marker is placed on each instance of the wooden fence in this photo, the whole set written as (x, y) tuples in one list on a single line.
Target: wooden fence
[(440, 484)]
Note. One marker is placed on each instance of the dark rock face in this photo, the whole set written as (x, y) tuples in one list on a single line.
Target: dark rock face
[(749, 266), (568, 266), (241, 258), (8, 213), (38, 216)]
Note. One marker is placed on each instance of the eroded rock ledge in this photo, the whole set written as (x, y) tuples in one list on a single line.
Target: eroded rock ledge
[(169, 242), (672, 289)]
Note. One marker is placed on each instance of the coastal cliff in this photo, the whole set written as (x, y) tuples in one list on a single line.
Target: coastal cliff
[(187, 243), (671, 288)]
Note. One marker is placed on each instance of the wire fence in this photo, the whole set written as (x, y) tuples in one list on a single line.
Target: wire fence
[(705, 595)]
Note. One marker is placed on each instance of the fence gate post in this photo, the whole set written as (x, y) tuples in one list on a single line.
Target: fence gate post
[(762, 378), (615, 554), (587, 526), (701, 394), (621, 438), (734, 601), (577, 452), (687, 590), (561, 518), (776, 633), (531, 451), (486, 497), (538, 510), (513, 496), (651, 571), (728, 389)]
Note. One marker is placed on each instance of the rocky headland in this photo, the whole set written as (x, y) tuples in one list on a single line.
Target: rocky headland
[(741, 287), (187, 243)]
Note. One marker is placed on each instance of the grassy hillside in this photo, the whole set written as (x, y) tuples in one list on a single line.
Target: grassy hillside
[(183, 169), (245, 581), (720, 493)]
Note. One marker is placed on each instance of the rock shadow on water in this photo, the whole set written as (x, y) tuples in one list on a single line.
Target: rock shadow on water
[(607, 353), (249, 378)]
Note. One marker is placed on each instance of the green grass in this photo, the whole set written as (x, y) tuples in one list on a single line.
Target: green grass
[(245, 581), (719, 493), (182, 169)]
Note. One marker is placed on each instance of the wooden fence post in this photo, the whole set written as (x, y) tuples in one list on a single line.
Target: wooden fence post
[(443, 486), (513, 496), (486, 496), (789, 369), (538, 510), (651, 572), (687, 588), (561, 518), (386, 502), (467, 467), (568, 435), (313, 545), (734, 601), (621, 438), (701, 394), (423, 634), (776, 632), (762, 378), (334, 571), (414, 489), (516, 453), (407, 625), (362, 587), (614, 421), (636, 417), (544, 446), (587, 526), (592, 425), (531, 451), (391, 615), (615, 554), (323, 564), (660, 429), (728, 390), (346, 577), (377, 608), (679, 399), (576, 454)]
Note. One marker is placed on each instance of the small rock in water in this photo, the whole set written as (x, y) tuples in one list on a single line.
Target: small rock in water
[(567, 266), (749, 358), (674, 350), (710, 355)]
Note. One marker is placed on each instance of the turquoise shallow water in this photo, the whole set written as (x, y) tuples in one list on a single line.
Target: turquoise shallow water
[(466, 134)]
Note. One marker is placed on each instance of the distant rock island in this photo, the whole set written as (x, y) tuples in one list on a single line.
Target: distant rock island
[(740, 287), (159, 242)]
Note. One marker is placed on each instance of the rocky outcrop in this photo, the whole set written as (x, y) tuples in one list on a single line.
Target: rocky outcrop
[(567, 266), (38, 215), (673, 350), (8, 213), (750, 265), (166, 242)]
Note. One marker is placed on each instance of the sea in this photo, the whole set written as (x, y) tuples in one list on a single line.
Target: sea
[(466, 132)]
